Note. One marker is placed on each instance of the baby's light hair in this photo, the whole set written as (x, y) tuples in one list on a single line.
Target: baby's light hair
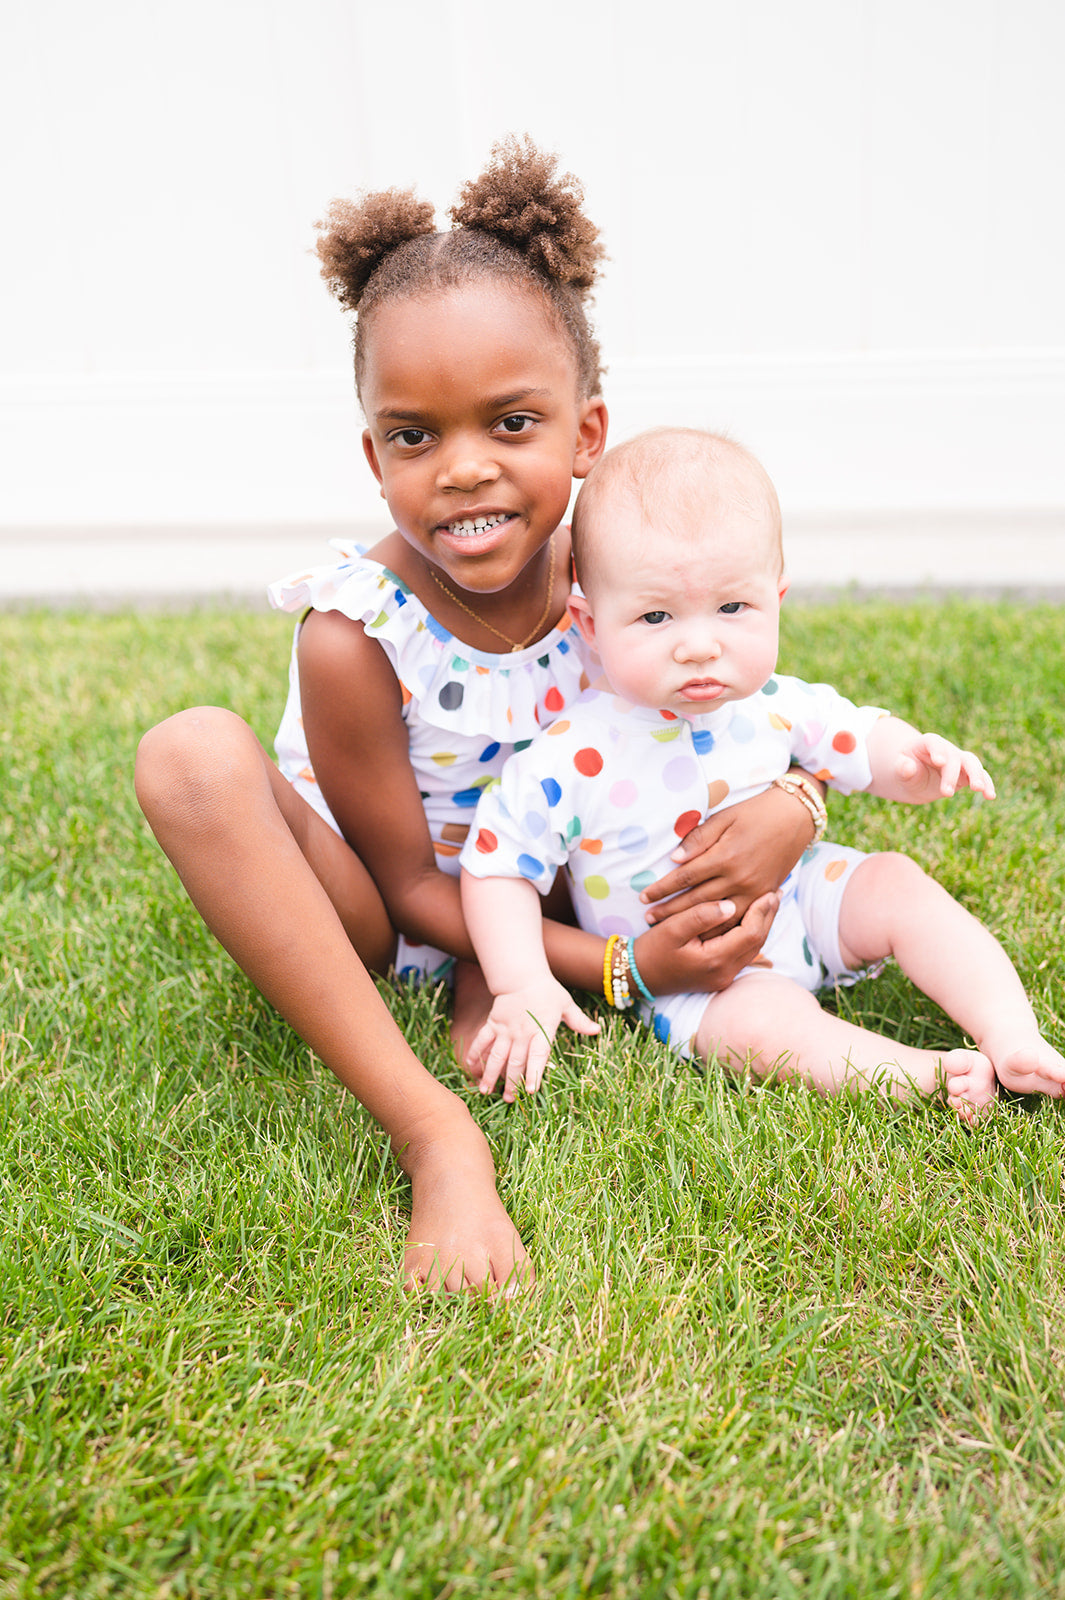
[(518, 223), (675, 476)]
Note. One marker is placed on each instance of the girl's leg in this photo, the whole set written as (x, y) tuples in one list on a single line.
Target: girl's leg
[(890, 907), (300, 915), (773, 1026)]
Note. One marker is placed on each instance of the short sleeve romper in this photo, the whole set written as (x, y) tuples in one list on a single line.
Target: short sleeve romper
[(611, 789)]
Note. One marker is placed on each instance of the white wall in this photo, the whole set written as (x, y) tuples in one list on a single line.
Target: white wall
[(835, 228)]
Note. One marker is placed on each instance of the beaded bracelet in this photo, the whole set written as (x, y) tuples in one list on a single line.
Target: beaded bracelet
[(799, 785), (608, 967), (619, 974), (634, 973), (616, 973)]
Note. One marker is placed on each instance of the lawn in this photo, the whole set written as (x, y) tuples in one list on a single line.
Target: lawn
[(779, 1346)]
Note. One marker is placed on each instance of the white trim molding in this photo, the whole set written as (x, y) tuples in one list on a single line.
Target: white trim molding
[(857, 434)]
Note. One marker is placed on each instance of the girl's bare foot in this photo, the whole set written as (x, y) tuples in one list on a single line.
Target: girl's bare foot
[(471, 1004), (460, 1234), (970, 1082)]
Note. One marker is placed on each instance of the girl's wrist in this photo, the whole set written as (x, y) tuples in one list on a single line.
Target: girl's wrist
[(802, 788), (623, 982)]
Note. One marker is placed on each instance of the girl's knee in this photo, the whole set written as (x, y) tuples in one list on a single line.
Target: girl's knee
[(190, 756)]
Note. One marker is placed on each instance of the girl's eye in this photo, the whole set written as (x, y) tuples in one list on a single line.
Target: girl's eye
[(732, 607), (654, 617), (410, 437), (516, 424)]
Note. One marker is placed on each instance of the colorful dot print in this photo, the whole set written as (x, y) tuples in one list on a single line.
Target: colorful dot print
[(588, 762), (464, 711), (611, 788)]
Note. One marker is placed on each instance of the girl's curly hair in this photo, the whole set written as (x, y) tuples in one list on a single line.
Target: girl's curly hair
[(518, 222)]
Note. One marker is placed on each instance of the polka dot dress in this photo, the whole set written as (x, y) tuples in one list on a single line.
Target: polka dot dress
[(465, 711)]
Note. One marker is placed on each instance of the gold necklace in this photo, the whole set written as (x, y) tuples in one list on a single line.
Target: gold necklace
[(515, 644)]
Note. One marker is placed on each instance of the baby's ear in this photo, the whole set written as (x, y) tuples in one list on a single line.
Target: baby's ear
[(581, 612), (783, 586)]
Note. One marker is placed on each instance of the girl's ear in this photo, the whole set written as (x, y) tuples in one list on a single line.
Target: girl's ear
[(371, 456), (581, 612), (592, 422), (370, 453)]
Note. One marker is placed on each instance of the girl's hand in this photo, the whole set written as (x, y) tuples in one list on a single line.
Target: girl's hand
[(689, 952), (740, 854), (933, 769), (516, 1040)]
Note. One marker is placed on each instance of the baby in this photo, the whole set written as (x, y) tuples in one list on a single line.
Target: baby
[(677, 542)]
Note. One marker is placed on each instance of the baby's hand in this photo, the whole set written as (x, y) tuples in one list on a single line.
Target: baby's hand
[(932, 768), (516, 1040)]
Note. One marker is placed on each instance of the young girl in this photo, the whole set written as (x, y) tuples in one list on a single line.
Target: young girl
[(418, 669), (677, 537)]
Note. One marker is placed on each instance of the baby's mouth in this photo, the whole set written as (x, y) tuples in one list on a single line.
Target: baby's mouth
[(468, 526)]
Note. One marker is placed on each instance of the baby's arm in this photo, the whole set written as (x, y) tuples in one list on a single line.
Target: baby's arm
[(504, 921), (919, 767)]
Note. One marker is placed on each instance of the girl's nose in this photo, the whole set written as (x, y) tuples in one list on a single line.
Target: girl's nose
[(466, 468)]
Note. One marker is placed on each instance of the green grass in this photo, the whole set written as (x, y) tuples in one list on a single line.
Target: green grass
[(780, 1346)]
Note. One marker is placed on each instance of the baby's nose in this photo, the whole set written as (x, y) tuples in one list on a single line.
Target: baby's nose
[(699, 644)]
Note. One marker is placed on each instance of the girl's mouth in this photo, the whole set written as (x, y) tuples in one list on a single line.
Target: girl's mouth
[(469, 527)]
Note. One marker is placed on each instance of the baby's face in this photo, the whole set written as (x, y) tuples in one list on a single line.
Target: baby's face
[(688, 622)]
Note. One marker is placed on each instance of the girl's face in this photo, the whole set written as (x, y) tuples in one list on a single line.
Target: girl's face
[(476, 431)]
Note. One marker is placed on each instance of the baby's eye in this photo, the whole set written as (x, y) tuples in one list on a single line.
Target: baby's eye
[(654, 617), (731, 608), (516, 424), (409, 437)]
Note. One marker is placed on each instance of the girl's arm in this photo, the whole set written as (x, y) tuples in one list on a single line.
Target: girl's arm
[(352, 716), (739, 855), (357, 740), (919, 767), (505, 923)]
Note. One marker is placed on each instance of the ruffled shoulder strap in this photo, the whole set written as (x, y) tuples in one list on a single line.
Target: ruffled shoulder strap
[(450, 685)]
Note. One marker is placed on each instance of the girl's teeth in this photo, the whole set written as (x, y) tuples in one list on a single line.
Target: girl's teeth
[(474, 525)]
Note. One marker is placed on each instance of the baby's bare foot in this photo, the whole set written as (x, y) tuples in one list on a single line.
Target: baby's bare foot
[(1035, 1068), (970, 1080)]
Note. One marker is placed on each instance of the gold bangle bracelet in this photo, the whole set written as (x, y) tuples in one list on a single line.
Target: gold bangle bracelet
[(799, 785)]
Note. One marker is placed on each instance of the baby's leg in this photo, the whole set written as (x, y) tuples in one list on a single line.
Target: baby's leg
[(890, 907), (300, 914), (774, 1026)]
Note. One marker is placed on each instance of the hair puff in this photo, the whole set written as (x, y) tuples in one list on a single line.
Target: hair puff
[(520, 200), (356, 235)]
